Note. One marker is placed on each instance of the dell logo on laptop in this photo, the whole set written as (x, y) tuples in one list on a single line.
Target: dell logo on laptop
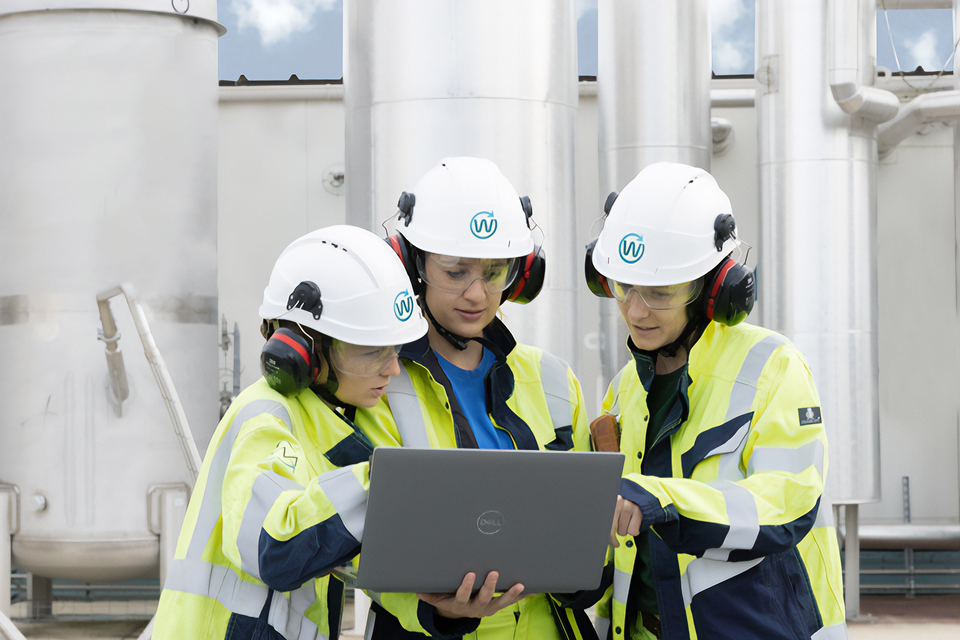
[(490, 522)]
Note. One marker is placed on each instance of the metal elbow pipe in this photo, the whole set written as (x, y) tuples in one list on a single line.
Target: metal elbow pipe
[(847, 19)]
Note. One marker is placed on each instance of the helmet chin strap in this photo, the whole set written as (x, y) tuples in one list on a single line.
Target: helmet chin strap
[(460, 342), (670, 350)]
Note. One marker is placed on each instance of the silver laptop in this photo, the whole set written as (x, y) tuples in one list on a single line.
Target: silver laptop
[(541, 518)]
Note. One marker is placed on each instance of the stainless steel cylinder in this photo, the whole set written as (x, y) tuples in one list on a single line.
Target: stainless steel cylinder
[(817, 274), (108, 126), (653, 97), (427, 79)]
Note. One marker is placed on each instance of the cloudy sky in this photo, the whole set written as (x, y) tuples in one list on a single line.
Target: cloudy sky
[(274, 39)]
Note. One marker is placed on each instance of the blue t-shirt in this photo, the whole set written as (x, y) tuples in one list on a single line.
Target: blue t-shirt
[(472, 398)]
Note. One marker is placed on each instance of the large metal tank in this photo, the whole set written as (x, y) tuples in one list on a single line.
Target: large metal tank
[(818, 172), (426, 79), (108, 124), (653, 95)]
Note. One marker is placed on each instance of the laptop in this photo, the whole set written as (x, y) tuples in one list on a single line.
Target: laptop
[(541, 518)]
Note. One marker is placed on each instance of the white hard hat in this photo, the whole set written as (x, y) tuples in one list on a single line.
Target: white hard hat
[(465, 207), (346, 283), (662, 228)]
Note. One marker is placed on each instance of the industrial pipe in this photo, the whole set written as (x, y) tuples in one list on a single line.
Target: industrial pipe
[(164, 381), (942, 106), (854, 98)]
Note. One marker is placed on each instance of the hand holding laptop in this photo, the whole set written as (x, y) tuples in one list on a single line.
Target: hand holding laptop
[(462, 605), (626, 520)]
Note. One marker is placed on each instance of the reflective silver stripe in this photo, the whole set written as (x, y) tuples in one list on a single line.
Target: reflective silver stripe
[(741, 399), (602, 625), (405, 407), (210, 507), (741, 514), (291, 627), (789, 459), (745, 386), (371, 623), (703, 573), (266, 489), (733, 444), (219, 583), (621, 586), (833, 632), (246, 598), (825, 512), (615, 385), (553, 375), (348, 497)]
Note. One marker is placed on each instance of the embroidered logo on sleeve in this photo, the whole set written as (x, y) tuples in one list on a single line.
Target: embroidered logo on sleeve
[(810, 415), (284, 454)]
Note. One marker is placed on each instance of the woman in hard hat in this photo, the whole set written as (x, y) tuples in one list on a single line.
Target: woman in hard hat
[(723, 529), (465, 238), (281, 495)]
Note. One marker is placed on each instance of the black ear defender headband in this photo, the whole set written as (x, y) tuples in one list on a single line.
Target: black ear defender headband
[(288, 361), (729, 289), (533, 266)]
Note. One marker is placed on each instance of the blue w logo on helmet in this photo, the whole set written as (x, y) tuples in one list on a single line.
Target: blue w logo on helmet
[(483, 225), (403, 306), (631, 248)]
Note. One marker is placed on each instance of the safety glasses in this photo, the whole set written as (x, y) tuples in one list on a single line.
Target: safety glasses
[(453, 274), (660, 298), (359, 360)]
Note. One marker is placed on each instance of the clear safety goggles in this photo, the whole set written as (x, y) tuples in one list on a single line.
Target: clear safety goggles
[(660, 298), (453, 274), (359, 360)]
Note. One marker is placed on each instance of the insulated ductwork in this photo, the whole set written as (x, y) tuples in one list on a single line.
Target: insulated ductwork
[(428, 79), (817, 272), (653, 96)]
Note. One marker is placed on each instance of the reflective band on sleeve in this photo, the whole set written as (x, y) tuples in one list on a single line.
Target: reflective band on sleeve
[(741, 400), (210, 507), (245, 598), (621, 586), (405, 407), (553, 375), (833, 632), (745, 386), (348, 497), (602, 626), (703, 573), (266, 489), (791, 460), (741, 515)]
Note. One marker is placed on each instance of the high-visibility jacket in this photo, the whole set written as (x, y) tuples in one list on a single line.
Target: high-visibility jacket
[(740, 533), (542, 408), (279, 503)]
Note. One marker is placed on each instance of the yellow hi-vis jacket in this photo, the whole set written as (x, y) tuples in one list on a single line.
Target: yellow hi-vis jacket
[(279, 503), (740, 534), (541, 409)]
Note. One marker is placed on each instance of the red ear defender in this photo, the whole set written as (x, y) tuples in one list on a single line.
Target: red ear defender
[(288, 363), (730, 293), (596, 281), (529, 282), (407, 256)]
